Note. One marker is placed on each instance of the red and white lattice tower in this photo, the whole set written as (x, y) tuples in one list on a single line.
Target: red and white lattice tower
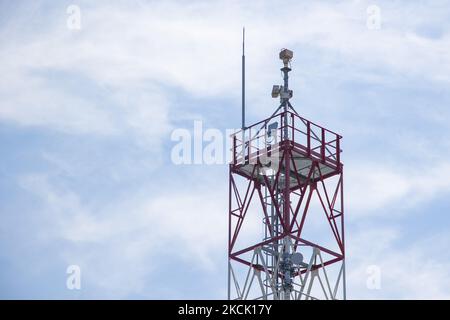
[(286, 209)]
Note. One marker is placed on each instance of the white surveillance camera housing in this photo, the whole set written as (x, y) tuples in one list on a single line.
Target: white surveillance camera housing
[(276, 89)]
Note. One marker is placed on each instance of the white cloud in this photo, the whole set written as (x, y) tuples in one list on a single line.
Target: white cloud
[(120, 246), (194, 47), (417, 270), (373, 187), (31, 102)]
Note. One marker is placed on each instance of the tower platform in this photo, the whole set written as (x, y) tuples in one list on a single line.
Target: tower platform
[(261, 146)]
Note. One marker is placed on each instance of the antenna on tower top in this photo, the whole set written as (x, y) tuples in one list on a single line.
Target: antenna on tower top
[(243, 78)]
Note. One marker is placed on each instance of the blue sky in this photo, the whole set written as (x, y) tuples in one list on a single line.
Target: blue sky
[(86, 115)]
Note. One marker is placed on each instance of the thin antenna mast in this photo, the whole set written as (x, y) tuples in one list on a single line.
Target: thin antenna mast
[(243, 78)]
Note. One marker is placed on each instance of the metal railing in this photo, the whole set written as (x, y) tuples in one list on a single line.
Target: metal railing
[(267, 136)]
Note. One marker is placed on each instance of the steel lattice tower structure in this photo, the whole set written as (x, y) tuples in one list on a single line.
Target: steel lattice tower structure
[(286, 178)]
